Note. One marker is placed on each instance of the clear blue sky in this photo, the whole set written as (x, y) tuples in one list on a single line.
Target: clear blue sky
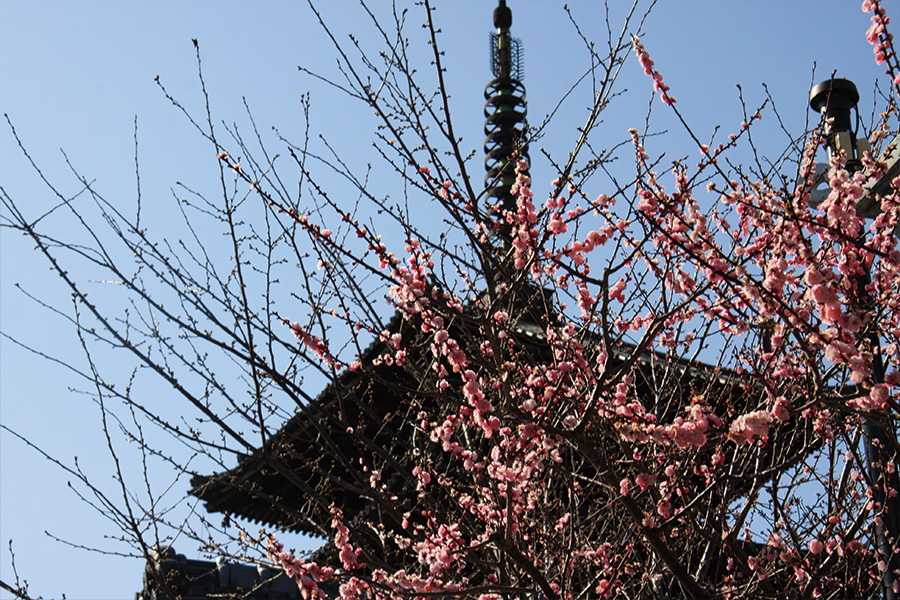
[(75, 75)]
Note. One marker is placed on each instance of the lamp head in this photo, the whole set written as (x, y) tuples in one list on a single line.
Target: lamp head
[(834, 99)]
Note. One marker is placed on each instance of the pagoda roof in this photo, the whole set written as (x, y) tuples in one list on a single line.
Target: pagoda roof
[(313, 461)]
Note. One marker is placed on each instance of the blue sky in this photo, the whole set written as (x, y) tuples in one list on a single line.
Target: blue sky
[(75, 75)]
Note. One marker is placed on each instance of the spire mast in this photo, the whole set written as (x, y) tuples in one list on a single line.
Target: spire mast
[(505, 111)]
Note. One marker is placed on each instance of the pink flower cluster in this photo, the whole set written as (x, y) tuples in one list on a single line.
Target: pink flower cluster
[(307, 574), (878, 36), (349, 557), (746, 428), (525, 236), (647, 65), (313, 343), (691, 432)]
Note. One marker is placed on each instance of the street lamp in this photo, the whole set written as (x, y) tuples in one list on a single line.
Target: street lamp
[(835, 99)]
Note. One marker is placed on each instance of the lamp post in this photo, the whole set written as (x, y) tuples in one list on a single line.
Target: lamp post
[(835, 99)]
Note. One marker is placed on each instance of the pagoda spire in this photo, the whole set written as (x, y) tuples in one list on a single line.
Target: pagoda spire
[(505, 112)]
